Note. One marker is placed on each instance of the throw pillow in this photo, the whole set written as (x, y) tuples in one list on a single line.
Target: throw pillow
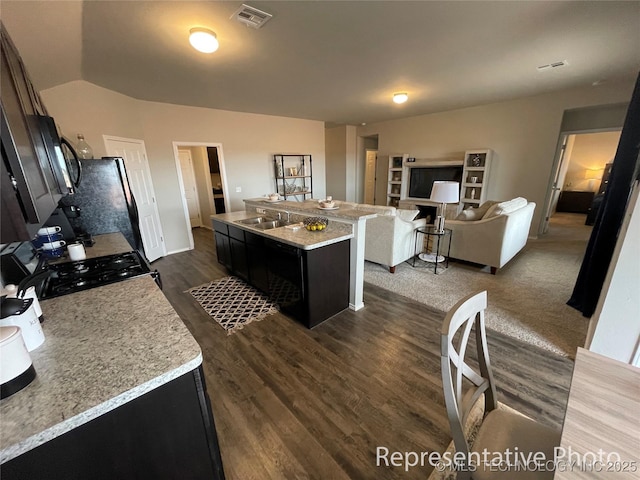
[(407, 215), (506, 207), (468, 215), (478, 213)]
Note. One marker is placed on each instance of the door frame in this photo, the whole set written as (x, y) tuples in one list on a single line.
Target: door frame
[(156, 212), (223, 177), (184, 192)]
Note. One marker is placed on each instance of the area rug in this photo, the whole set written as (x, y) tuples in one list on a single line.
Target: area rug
[(232, 303), (527, 298)]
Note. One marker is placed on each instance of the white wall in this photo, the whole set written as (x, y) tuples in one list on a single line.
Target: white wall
[(614, 329), (81, 107), (522, 132), (248, 143)]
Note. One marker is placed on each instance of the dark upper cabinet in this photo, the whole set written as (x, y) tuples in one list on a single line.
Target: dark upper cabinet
[(27, 167)]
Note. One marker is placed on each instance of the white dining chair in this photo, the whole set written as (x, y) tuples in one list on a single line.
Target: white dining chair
[(500, 428)]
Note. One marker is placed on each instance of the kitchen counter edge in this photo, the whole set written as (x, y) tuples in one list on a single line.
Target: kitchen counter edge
[(21, 405)]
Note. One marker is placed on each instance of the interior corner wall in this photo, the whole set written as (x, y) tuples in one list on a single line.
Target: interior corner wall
[(523, 134), (248, 143), (336, 162)]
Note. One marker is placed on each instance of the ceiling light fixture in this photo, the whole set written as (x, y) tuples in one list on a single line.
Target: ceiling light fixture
[(400, 97), (203, 40)]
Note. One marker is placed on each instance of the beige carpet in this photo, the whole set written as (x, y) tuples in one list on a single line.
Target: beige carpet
[(527, 297)]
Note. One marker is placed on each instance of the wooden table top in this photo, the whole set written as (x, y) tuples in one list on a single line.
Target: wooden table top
[(603, 415)]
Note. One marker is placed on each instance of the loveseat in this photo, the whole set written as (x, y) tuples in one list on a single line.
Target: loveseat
[(389, 237), (493, 233)]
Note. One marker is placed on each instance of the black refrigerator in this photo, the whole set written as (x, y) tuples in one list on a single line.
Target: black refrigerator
[(102, 203)]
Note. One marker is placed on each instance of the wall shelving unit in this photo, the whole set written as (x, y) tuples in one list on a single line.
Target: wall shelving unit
[(294, 176)]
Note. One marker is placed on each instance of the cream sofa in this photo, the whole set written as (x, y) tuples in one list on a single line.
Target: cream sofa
[(496, 236), (389, 237)]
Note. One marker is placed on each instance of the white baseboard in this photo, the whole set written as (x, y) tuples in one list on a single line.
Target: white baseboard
[(180, 250)]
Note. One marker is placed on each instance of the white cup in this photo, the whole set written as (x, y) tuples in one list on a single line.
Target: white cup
[(76, 252), (53, 245), (49, 230), (474, 179), (273, 197)]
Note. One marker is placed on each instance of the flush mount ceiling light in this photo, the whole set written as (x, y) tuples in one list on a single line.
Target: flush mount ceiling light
[(400, 97), (203, 40)]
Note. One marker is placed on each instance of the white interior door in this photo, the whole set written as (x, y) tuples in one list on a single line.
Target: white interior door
[(135, 158), (370, 177), (189, 187)]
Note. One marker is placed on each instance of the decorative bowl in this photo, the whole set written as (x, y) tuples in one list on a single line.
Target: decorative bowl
[(315, 224)]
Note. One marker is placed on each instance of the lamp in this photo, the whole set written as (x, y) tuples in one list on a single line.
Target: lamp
[(400, 97), (203, 40), (593, 174), (444, 192)]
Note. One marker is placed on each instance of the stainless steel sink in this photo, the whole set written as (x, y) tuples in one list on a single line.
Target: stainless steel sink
[(269, 224), (263, 223), (254, 220)]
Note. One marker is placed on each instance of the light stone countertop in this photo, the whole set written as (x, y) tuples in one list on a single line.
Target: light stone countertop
[(311, 208), (103, 347), (336, 231)]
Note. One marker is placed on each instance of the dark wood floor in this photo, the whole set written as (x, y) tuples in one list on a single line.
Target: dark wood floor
[(293, 403)]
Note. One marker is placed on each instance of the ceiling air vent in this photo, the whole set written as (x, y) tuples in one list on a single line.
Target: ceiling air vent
[(251, 16), (549, 66)]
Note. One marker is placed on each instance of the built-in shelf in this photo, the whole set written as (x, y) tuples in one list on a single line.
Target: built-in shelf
[(394, 178), (477, 164)]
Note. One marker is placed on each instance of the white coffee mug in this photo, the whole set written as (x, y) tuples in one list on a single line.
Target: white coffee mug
[(76, 252), (49, 230), (53, 245)]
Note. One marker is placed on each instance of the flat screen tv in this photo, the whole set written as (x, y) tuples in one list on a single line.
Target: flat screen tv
[(421, 179)]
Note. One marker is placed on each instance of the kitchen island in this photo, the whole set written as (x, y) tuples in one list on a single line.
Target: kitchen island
[(119, 393), (355, 218), (305, 272)]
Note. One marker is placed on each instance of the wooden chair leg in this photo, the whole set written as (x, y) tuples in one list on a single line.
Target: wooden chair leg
[(392, 269), (494, 270)]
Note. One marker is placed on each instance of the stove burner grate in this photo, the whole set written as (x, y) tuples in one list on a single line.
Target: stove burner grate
[(72, 277)]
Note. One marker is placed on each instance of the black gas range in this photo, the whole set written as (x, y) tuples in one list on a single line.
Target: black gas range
[(71, 277)]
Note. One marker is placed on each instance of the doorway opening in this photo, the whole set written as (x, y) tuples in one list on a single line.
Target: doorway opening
[(368, 153), (202, 179), (583, 163)]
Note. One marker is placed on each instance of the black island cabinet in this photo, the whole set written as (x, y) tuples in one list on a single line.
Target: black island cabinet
[(166, 434), (309, 285)]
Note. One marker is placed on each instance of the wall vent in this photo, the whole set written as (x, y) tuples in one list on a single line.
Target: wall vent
[(549, 66), (250, 16)]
